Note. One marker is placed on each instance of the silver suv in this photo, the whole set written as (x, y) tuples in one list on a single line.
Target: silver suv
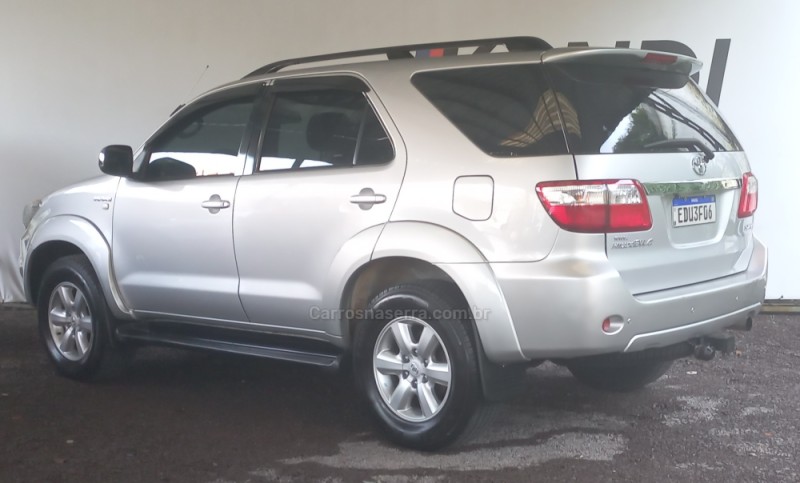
[(437, 224)]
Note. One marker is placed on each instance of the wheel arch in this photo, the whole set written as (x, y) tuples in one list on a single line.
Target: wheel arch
[(400, 252), (379, 274), (62, 236), (499, 382), (408, 252), (42, 257)]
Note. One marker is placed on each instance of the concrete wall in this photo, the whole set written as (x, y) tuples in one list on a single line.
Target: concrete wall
[(77, 75)]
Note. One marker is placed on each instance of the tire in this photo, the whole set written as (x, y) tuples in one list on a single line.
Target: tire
[(425, 392), (75, 323), (619, 377)]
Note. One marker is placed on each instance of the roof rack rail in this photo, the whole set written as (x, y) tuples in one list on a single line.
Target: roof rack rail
[(484, 46)]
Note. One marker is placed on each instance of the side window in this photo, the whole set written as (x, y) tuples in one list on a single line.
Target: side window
[(205, 143), (323, 128), (506, 111), (375, 146)]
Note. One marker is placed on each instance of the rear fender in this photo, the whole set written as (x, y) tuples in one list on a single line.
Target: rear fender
[(470, 271)]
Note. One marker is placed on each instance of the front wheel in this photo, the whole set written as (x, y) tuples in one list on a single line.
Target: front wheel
[(74, 321), (623, 377), (416, 366)]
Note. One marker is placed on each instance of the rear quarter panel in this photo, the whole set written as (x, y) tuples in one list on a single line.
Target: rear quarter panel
[(518, 228)]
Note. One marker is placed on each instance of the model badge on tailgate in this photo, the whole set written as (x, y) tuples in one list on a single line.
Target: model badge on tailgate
[(623, 242)]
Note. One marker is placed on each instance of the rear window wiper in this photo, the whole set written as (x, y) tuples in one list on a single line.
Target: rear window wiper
[(666, 108), (688, 143)]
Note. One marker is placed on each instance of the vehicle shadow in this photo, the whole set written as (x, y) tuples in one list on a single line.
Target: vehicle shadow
[(254, 389)]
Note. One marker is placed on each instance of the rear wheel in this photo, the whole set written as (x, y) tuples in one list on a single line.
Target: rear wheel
[(416, 366), (74, 321), (619, 377)]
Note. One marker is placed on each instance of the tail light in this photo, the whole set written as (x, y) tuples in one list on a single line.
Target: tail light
[(748, 200), (598, 206)]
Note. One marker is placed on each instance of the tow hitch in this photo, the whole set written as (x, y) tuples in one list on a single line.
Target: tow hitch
[(706, 347)]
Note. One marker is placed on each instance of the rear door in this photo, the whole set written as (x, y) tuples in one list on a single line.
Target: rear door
[(636, 115), (326, 171)]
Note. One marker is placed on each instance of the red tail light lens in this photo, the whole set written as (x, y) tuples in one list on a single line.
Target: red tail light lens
[(598, 206), (748, 200)]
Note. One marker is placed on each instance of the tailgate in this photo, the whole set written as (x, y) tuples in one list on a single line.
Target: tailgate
[(636, 115)]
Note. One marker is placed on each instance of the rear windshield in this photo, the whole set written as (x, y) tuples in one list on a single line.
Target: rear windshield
[(511, 110), (619, 110), (506, 110)]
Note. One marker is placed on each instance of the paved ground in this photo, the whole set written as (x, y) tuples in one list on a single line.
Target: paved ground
[(182, 416)]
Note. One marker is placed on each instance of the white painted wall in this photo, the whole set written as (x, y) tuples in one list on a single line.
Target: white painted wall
[(76, 75)]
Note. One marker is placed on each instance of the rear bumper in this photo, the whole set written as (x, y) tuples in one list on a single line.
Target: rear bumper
[(557, 306)]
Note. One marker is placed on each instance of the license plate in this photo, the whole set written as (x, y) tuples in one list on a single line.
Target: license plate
[(694, 210)]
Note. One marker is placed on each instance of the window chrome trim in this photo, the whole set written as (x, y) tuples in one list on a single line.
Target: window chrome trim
[(692, 187)]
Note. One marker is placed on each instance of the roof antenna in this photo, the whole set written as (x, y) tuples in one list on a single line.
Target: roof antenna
[(188, 94)]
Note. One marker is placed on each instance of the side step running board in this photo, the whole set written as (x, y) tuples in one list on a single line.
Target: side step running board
[(144, 333)]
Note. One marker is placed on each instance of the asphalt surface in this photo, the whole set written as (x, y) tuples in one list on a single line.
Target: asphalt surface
[(187, 416)]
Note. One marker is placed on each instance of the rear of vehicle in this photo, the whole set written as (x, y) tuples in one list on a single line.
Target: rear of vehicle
[(654, 236)]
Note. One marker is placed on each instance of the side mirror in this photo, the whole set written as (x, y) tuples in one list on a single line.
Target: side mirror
[(116, 160)]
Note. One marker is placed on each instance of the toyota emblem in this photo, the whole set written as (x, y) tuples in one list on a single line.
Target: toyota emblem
[(699, 165)]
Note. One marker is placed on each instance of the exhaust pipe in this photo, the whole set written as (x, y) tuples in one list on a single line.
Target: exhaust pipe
[(744, 325)]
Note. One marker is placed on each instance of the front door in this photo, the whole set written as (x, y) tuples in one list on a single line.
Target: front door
[(173, 242)]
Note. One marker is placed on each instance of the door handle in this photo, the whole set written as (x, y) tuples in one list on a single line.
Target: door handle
[(215, 203), (366, 198)]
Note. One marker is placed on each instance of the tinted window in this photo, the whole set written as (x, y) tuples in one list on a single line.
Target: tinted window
[(205, 143), (323, 128), (619, 110), (505, 110), (375, 146)]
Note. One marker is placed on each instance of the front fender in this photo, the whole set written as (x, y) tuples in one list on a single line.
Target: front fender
[(473, 275), (83, 234)]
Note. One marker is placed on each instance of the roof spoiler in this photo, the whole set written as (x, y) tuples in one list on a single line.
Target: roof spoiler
[(640, 59)]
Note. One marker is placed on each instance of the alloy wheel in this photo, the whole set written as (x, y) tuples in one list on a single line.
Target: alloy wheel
[(412, 369), (70, 320)]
